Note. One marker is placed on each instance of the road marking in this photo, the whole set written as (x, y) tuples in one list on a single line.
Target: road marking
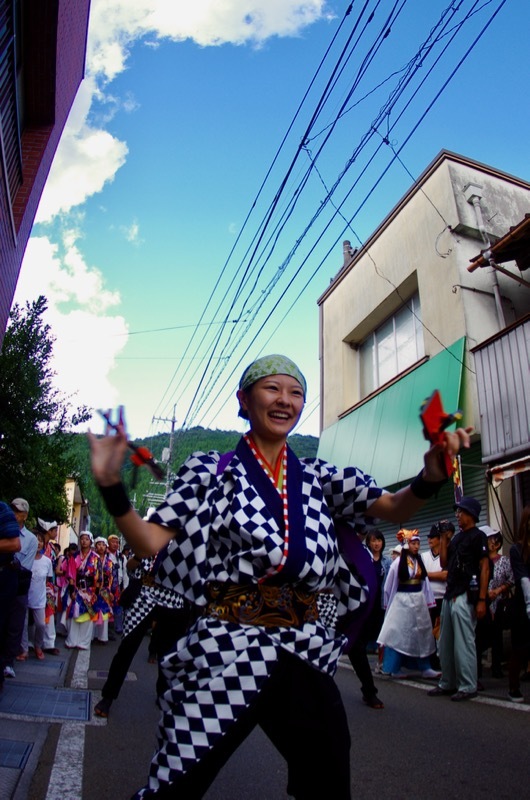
[(66, 779), (488, 701)]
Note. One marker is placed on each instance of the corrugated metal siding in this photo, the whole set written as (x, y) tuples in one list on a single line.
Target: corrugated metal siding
[(503, 384), (474, 484)]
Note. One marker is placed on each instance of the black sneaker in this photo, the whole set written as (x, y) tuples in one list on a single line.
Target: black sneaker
[(438, 691), (459, 697), (516, 696)]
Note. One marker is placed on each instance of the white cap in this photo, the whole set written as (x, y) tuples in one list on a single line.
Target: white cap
[(489, 531)]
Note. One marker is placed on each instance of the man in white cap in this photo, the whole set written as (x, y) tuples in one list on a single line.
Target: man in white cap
[(23, 561)]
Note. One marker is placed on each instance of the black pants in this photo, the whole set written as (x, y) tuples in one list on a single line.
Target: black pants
[(301, 711), (171, 624), (8, 600), (359, 661)]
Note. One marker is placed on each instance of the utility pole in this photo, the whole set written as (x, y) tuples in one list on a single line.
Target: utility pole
[(171, 441)]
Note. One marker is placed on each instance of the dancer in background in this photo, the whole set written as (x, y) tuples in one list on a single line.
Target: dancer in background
[(81, 595), (407, 633), (153, 604)]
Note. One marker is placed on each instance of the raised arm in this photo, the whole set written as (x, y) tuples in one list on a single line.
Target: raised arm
[(399, 506), (107, 456)]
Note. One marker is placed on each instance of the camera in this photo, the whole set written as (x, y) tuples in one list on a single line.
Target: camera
[(444, 526)]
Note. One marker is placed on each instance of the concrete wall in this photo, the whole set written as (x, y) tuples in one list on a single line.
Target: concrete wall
[(39, 142), (425, 244)]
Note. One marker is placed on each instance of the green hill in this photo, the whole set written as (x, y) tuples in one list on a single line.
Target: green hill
[(140, 483)]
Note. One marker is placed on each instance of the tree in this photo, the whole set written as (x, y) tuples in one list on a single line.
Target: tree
[(35, 456)]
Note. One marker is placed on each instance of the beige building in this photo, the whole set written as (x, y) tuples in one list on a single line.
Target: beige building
[(405, 315), (78, 512)]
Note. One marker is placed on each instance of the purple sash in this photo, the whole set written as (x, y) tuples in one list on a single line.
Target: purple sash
[(360, 563)]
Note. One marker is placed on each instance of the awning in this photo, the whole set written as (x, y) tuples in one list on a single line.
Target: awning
[(496, 475), (384, 436)]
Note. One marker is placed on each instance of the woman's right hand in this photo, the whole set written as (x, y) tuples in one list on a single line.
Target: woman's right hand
[(108, 454)]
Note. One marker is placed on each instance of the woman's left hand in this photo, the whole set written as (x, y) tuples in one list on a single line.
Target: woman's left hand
[(453, 442)]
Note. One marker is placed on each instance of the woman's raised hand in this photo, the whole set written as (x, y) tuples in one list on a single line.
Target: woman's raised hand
[(108, 452), (452, 443)]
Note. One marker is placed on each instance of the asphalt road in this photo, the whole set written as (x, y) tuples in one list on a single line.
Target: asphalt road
[(418, 747)]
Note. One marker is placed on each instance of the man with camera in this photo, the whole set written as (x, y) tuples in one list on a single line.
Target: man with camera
[(465, 557)]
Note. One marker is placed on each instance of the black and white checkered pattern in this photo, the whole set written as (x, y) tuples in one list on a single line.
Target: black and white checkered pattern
[(217, 672), (225, 532), (149, 598)]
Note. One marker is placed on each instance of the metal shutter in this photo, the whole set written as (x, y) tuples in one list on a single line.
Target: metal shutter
[(474, 484)]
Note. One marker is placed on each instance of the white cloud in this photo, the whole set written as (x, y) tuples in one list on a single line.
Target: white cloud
[(82, 312), (132, 233), (88, 335), (115, 24), (88, 156)]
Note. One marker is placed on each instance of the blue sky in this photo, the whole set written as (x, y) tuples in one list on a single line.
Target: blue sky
[(178, 120)]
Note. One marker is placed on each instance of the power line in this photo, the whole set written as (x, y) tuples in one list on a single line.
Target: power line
[(280, 272)]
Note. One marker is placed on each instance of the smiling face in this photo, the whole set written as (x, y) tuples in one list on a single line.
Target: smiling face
[(273, 405)]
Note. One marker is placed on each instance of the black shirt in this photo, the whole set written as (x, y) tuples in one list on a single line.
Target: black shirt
[(464, 554)]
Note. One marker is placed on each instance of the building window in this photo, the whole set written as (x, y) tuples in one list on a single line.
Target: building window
[(393, 347)]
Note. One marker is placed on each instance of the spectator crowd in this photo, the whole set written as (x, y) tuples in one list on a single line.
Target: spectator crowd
[(432, 613)]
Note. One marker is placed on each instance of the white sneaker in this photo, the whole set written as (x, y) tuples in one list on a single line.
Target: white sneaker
[(430, 673), (9, 672)]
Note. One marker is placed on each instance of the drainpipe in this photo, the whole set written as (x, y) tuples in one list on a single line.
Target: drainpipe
[(472, 193)]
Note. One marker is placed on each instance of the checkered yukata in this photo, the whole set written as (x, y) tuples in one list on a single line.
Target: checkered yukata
[(149, 598), (225, 531)]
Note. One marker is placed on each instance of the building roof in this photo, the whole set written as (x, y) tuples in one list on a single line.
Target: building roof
[(443, 155), (513, 246)]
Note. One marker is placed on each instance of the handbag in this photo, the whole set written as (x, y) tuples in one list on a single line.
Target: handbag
[(504, 612), (130, 593)]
